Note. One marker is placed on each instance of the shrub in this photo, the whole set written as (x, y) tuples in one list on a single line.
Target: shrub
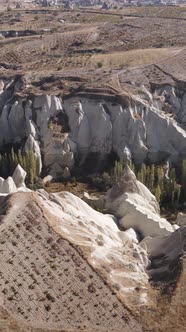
[(100, 64), (73, 179), (102, 182), (60, 67)]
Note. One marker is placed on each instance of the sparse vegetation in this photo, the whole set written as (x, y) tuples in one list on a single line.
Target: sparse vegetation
[(170, 191), (27, 160), (99, 64)]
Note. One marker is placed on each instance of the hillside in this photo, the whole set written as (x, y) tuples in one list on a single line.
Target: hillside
[(46, 281), (92, 100)]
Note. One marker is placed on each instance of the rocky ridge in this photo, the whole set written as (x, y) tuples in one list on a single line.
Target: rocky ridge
[(73, 244), (59, 131)]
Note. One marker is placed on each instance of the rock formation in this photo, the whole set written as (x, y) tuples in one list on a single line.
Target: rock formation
[(139, 128), (181, 219), (7, 186), (143, 130), (14, 183), (82, 262), (164, 254), (60, 254), (135, 207), (28, 122), (19, 176), (97, 203)]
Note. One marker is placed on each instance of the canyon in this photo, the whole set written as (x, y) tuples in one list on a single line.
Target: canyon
[(58, 131), (87, 94)]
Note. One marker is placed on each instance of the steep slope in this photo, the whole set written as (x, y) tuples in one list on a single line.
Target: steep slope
[(45, 280), (135, 206), (169, 307), (66, 267), (148, 122)]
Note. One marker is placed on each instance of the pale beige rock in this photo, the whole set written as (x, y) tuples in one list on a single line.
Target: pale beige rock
[(19, 176), (66, 173), (135, 206)]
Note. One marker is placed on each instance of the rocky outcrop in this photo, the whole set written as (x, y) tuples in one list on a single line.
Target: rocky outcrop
[(62, 252), (181, 219), (138, 128), (14, 183), (97, 203), (19, 177), (83, 263), (171, 100), (135, 207), (164, 254), (137, 211), (26, 122), (90, 126), (144, 130), (33, 145), (7, 186), (104, 242)]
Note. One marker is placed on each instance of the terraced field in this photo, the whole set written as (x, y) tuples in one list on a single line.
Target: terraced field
[(46, 282), (66, 40)]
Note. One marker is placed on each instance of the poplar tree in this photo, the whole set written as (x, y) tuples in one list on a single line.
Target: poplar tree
[(183, 180), (158, 193)]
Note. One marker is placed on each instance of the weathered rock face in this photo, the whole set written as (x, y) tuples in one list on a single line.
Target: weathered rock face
[(91, 127), (19, 176), (143, 131), (135, 207), (7, 186), (137, 211), (181, 219), (26, 122), (164, 253), (173, 101), (14, 183), (96, 203)]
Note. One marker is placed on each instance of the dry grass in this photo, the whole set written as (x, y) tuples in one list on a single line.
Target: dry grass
[(89, 44), (133, 58)]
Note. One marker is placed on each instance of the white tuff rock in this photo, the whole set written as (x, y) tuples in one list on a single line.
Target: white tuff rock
[(99, 234), (19, 176), (135, 207), (14, 183), (7, 186), (143, 129)]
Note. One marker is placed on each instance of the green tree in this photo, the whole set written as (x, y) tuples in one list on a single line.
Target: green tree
[(118, 168), (30, 166), (158, 193), (183, 181), (151, 177)]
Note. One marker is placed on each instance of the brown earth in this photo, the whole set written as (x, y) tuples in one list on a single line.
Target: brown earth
[(88, 48), (45, 281)]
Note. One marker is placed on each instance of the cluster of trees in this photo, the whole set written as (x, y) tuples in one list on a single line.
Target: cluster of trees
[(9, 161), (169, 189)]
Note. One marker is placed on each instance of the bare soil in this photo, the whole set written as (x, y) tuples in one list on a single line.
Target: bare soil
[(46, 282), (73, 50)]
